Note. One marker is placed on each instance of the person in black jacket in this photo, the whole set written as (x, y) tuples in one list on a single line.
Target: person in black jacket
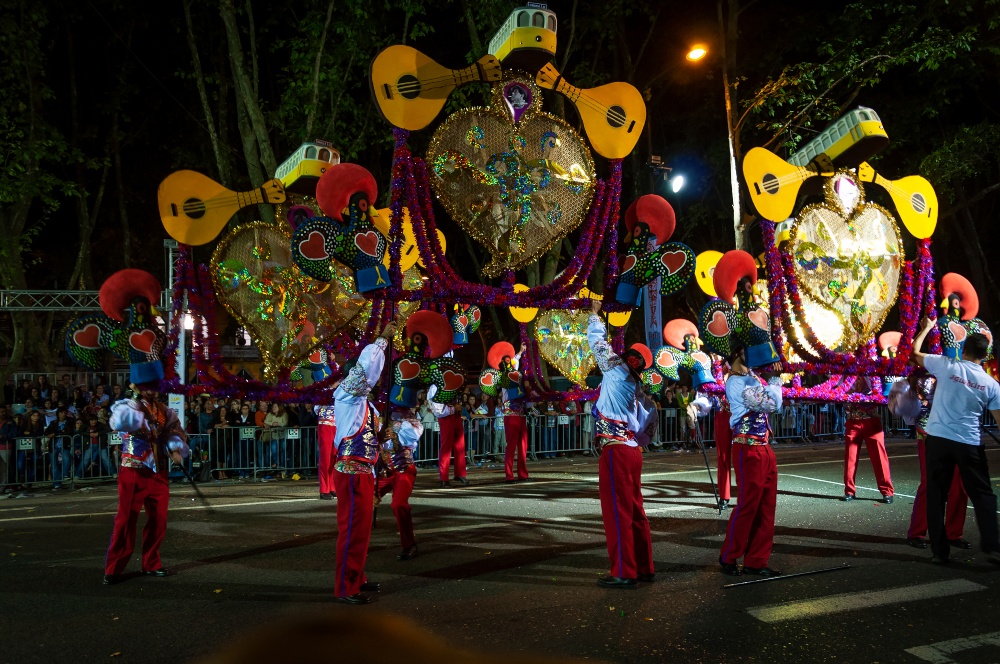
[(59, 435)]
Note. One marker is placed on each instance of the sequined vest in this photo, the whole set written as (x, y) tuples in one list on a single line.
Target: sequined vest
[(138, 450), (611, 430), (753, 424), (362, 446), (402, 458), (325, 416)]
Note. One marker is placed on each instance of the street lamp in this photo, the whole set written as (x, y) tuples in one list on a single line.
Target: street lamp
[(697, 52), (676, 183)]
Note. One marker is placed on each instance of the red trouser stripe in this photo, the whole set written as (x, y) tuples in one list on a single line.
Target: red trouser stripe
[(326, 434), (955, 510), (870, 431), (452, 440), (626, 528), (400, 484), (750, 534), (515, 431), (354, 528), (138, 488)]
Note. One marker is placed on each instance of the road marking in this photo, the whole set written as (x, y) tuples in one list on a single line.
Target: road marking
[(820, 606), (816, 479), (937, 653), (172, 509)]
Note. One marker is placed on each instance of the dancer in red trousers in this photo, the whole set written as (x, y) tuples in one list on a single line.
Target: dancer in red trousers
[(515, 426), (452, 438), (625, 420), (326, 431), (865, 425), (723, 449), (357, 445), (403, 436)]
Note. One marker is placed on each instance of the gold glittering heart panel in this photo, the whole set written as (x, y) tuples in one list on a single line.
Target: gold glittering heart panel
[(562, 342)]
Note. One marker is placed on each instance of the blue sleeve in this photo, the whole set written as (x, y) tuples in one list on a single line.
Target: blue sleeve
[(599, 346)]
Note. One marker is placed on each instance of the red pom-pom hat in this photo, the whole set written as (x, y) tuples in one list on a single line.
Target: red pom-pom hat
[(498, 351), (733, 266), (655, 212), (339, 183), (435, 327), (647, 355), (118, 291), (955, 284), (675, 331)]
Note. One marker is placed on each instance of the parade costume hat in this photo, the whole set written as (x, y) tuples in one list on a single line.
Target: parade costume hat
[(637, 358), (649, 218), (957, 323), (127, 327), (428, 336)]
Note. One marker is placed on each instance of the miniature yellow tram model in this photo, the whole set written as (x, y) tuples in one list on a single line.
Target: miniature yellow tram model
[(300, 172), (846, 143), (527, 39)]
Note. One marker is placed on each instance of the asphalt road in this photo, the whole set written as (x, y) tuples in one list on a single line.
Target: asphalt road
[(510, 568)]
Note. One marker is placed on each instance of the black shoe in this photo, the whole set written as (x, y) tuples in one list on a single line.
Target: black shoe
[(408, 554), (960, 543), (917, 542), (326, 496), (939, 560), (729, 569), (847, 497), (510, 481), (112, 579), (615, 582), (445, 485), (723, 504), (761, 571), (462, 481), (371, 586), (359, 598), (162, 572), (885, 500), (647, 578)]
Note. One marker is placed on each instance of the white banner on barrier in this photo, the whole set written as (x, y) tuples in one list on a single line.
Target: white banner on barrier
[(652, 311)]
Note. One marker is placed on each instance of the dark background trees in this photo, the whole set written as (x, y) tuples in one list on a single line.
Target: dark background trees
[(103, 98)]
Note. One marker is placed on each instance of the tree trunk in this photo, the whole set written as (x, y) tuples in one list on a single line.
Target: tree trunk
[(980, 276), (311, 117), (221, 159), (252, 158)]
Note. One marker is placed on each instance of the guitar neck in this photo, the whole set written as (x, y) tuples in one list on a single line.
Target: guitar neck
[(252, 197), (473, 72)]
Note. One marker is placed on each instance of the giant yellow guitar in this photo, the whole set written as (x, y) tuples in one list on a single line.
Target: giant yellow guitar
[(773, 183), (914, 197), (411, 89), (613, 115), (195, 208)]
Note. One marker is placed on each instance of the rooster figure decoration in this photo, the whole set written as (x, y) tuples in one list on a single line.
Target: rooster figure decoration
[(503, 373), (651, 217), (347, 234), (725, 326), (960, 306), (465, 321), (428, 337), (127, 327), (682, 352)]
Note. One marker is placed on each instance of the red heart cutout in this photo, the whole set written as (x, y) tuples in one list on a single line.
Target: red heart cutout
[(314, 247), (701, 358), (476, 313), (88, 336), (452, 380), (761, 319), (142, 341), (367, 242), (408, 369), (317, 357), (718, 326), (628, 264), (486, 379), (665, 359), (514, 376), (673, 261), (958, 330), (463, 320), (655, 378)]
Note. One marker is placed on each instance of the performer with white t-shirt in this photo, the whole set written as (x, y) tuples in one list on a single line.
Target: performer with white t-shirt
[(954, 439)]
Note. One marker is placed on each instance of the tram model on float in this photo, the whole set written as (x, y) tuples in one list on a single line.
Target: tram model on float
[(527, 39), (844, 144), (300, 172)]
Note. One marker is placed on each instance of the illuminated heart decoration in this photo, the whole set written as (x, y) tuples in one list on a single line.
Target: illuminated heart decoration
[(514, 376), (88, 337), (847, 269), (673, 260), (408, 369), (655, 378), (958, 330), (719, 326), (452, 380), (517, 190), (665, 359), (142, 341), (259, 285), (367, 242), (562, 342), (464, 320), (314, 247), (628, 263), (761, 319)]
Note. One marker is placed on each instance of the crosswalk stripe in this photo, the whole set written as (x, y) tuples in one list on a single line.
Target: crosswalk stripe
[(938, 653), (819, 606)]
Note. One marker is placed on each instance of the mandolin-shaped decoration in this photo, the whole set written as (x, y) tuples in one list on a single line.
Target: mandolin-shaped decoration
[(127, 328), (650, 218), (345, 193), (428, 336), (915, 200), (773, 183), (958, 320), (195, 209)]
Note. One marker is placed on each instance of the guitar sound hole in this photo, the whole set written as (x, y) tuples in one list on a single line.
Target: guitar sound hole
[(616, 116), (194, 208), (770, 183), (918, 202), (408, 85)]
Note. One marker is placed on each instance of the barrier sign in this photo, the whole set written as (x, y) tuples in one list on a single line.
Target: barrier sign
[(247, 433), (114, 438), (26, 444), (292, 434)]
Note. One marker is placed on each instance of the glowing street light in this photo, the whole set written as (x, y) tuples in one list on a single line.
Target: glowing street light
[(676, 183), (696, 53)]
